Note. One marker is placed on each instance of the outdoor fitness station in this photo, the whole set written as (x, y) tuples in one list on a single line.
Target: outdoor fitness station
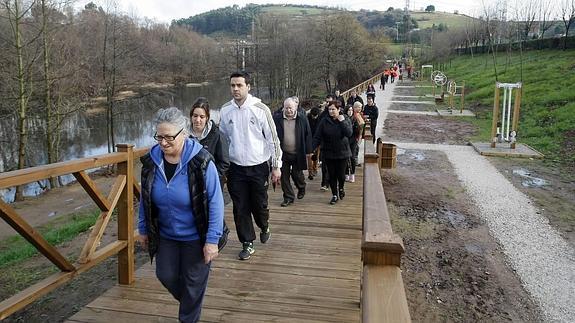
[(505, 123)]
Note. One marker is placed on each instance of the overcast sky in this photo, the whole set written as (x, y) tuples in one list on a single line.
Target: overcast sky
[(166, 10)]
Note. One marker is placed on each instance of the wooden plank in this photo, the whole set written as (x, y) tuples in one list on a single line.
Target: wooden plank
[(32, 293), (34, 237), (100, 227), (126, 260), (92, 190), (383, 295), (92, 315), (101, 255), (28, 175)]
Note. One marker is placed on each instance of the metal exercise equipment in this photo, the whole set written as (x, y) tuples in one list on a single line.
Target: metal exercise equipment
[(438, 79), (504, 127), (452, 90)]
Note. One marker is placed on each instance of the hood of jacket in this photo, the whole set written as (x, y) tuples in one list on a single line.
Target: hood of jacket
[(191, 148), (205, 132)]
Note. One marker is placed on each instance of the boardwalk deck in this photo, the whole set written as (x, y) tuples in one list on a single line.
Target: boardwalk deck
[(308, 272)]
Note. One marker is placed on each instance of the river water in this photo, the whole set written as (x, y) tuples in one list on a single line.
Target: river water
[(85, 131)]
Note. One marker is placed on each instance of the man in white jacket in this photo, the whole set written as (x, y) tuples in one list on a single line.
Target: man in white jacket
[(248, 125)]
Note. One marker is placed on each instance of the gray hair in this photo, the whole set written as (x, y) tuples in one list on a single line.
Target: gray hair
[(290, 100), (173, 116), (357, 104)]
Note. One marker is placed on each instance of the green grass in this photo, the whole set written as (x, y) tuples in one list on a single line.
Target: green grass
[(427, 19), (547, 116), (16, 249)]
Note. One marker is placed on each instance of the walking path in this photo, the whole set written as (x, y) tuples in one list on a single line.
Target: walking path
[(543, 260)]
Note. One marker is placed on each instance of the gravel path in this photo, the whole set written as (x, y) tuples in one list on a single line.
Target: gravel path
[(543, 260)]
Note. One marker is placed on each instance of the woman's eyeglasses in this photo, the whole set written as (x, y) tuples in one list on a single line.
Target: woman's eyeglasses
[(167, 138)]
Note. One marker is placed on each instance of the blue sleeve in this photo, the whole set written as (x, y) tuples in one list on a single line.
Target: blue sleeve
[(142, 225), (215, 205)]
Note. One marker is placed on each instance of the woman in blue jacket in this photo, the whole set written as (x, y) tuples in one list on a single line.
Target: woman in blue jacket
[(181, 211)]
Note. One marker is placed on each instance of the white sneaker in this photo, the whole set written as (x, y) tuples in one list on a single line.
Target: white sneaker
[(347, 178), (324, 188), (352, 178)]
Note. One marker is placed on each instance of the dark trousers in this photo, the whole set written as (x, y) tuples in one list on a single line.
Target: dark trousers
[(290, 169), (181, 269), (350, 168), (372, 126), (248, 187), (336, 170), (324, 173)]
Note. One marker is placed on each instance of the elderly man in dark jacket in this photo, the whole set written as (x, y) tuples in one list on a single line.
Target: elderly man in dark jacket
[(295, 137)]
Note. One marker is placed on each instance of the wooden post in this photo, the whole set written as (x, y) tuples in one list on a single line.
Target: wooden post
[(516, 114), (126, 217), (462, 96), (495, 116)]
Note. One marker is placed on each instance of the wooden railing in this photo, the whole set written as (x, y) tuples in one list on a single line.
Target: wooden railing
[(361, 87), (382, 294), (120, 198)]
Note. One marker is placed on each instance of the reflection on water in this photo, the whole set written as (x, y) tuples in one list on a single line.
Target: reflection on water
[(84, 132)]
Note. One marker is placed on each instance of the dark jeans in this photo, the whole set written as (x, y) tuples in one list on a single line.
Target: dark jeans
[(248, 187), (350, 168), (181, 269), (290, 169), (324, 174), (372, 126), (336, 170)]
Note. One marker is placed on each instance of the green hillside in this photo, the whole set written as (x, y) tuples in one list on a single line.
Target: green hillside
[(428, 19), (547, 118)]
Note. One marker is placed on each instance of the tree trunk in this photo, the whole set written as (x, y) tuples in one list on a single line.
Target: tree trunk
[(22, 102), (47, 95)]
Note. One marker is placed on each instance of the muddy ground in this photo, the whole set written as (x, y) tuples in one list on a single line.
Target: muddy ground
[(427, 129), (452, 269)]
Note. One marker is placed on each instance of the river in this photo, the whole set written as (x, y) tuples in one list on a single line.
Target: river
[(85, 131)]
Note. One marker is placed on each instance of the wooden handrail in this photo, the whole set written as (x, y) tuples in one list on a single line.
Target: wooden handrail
[(361, 86), (121, 197), (383, 295)]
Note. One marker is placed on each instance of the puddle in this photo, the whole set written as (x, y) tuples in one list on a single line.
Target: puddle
[(528, 180), (417, 156), (473, 248), (456, 219)]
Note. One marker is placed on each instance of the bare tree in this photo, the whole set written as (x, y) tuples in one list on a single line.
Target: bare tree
[(16, 12), (545, 11), (568, 17)]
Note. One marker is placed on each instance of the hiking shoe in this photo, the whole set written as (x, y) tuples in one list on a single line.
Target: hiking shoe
[(247, 251), (265, 235), (301, 194), (333, 200), (324, 188), (341, 194), (286, 203)]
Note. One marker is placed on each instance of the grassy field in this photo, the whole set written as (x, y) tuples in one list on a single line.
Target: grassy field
[(294, 11), (547, 117), (427, 19), (16, 249)]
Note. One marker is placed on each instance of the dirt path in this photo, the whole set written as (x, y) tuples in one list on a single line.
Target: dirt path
[(543, 260)]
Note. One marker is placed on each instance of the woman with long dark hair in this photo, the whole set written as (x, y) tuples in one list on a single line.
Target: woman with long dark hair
[(332, 135)]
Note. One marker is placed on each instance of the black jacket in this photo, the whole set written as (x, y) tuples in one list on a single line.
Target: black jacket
[(217, 145), (333, 136), (303, 137), (351, 100), (372, 112), (313, 123)]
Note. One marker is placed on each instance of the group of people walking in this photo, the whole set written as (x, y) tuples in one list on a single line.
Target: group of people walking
[(181, 215)]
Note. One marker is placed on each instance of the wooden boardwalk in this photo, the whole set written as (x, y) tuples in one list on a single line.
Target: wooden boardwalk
[(309, 271)]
